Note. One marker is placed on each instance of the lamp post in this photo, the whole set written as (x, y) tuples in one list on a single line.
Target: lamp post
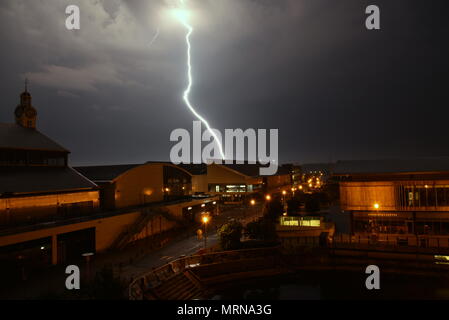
[(205, 221), (253, 203)]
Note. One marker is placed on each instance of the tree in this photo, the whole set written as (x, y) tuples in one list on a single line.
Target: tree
[(229, 235), (262, 229), (274, 209), (253, 230), (312, 204), (293, 206)]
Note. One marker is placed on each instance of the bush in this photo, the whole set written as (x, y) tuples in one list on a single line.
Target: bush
[(229, 235), (312, 205), (253, 230), (274, 209), (293, 206), (262, 229)]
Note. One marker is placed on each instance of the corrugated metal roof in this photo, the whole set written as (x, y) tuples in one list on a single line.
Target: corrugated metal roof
[(41, 179), (13, 136), (440, 164)]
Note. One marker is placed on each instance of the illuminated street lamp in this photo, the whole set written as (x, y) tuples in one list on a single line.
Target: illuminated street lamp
[(253, 202), (205, 221), (268, 197), (376, 206)]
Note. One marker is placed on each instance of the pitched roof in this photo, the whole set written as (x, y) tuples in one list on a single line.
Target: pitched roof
[(194, 169), (105, 173), (110, 172), (41, 179), (13, 136), (440, 164)]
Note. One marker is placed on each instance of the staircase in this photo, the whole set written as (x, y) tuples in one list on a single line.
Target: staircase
[(178, 287), (146, 214)]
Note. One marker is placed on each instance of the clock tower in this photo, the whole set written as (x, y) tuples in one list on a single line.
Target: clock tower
[(25, 113)]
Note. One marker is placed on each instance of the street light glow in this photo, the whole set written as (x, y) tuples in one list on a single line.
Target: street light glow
[(205, 219)]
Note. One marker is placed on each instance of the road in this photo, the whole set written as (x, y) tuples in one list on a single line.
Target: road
[(190, 245)]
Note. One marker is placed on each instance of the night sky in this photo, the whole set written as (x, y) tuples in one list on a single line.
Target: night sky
[(309, 68)]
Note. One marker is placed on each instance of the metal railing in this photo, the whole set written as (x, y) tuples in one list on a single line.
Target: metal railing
[(415, 243), (153, 278)]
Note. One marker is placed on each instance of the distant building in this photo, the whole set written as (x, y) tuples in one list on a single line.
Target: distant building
[(396, 197), (235, 182), (139, 184), (162, 183)]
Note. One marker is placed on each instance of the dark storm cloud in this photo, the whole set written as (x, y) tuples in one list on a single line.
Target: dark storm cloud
[(309, 68)]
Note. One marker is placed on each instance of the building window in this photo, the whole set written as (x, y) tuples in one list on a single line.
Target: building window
[(423, 196)]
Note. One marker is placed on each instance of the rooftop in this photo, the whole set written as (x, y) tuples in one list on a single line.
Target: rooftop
[(105, 173), (13, 136), (19, 180), (440, 164)]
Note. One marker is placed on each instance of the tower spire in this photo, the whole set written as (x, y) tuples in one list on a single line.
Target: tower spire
[(25, 112)]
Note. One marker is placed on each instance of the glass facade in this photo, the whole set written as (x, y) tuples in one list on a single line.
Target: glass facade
[(423, 196)]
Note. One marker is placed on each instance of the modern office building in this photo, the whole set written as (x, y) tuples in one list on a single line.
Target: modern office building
[(396, 197)]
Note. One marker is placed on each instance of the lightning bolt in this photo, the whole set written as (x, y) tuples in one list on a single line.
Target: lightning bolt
[(182, 17), (156, 35)]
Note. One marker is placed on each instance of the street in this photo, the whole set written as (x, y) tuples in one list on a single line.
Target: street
[(192, 244)]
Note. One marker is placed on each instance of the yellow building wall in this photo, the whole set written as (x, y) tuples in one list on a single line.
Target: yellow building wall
[(140, 185), (32, 207), (364, 195), (216, 174), (199, 183)]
